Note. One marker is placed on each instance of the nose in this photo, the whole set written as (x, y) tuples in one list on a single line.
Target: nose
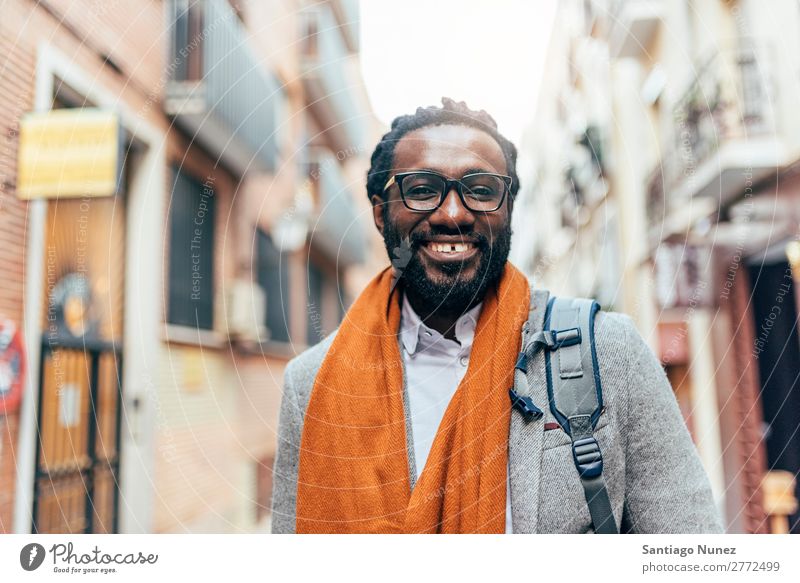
[(452, 212)]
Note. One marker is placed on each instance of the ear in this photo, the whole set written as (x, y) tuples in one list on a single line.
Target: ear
[(377, 211)]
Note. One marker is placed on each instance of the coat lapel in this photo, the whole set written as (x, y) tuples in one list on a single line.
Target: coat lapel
[(526, 438)]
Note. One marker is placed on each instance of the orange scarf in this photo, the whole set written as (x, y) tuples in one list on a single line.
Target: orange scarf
[(354, 474)]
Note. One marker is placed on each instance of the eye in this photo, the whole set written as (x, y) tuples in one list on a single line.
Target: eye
[(422, 186), (481, 191), (483, 187), (421, 190)]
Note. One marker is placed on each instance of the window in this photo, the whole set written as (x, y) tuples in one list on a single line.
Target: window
[(308, 33), (315, 328), (187, 39), (326, 302), (273, 277), (191, 253)]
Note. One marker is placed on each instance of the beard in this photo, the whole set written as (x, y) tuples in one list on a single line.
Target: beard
[(452, 292)]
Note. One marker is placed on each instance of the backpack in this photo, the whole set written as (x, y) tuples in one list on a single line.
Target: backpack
[(574, 392)]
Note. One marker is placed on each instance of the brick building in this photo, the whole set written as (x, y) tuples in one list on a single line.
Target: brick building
[(157, 318)]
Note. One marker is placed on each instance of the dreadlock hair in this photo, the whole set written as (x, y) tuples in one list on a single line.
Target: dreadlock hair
[(451, 113)]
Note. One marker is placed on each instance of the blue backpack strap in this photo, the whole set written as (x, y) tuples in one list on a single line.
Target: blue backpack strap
[(520, 393), (576, 395)]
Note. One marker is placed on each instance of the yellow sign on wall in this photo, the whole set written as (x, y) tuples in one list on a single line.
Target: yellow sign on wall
[(69, 153)]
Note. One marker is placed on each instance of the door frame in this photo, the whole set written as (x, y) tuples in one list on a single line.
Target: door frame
[(142, 309)]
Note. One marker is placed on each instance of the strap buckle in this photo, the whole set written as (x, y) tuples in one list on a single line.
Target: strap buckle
[(524, 405), (563, 338), (587, 456)]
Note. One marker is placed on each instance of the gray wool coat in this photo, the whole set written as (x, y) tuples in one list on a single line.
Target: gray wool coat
[(655, 481)]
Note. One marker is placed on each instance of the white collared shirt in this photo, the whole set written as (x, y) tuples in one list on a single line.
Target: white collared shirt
[(434, 367)]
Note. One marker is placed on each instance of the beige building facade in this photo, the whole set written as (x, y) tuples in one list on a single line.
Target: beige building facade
[(670, 157)]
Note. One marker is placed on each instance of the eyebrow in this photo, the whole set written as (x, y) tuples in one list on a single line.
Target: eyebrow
[(466, 172), (479, 170)]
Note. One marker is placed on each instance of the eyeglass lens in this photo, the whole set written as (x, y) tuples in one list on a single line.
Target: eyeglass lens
[(481, 192)]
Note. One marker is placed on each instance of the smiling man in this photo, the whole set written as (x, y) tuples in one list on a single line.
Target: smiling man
[(400, 421), (459, 244)]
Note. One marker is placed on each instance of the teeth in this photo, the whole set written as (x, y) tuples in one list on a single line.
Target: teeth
[(451, 247)]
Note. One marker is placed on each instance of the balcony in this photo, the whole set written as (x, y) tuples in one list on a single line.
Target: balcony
[(655, 205), (329, 93), (585, 176), (217, 91), (347, 14), (633, 25), (726, 136), (336, 228), (665, 217)]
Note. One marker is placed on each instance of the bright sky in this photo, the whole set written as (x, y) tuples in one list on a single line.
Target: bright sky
[(489, 54)]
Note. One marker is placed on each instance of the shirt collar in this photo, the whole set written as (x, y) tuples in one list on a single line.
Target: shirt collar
[(413, 331)]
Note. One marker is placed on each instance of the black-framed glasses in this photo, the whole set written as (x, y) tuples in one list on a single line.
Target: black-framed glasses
[(425, 191)]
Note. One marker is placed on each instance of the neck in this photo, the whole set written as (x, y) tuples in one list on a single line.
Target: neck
[(443, 321)]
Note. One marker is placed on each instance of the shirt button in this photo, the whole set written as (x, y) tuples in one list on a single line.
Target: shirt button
[(427, 333), (464, 361)]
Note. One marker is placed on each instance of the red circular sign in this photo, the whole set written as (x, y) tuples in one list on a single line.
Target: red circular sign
[(12, 367)]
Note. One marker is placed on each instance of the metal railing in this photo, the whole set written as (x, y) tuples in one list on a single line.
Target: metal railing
[(730, 98), (336, 229), (217, 89), (324, 74)]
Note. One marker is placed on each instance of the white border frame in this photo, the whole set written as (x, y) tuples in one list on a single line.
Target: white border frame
[(142, 312)]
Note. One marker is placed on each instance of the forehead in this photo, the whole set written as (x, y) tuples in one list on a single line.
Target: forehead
[(452, 150)]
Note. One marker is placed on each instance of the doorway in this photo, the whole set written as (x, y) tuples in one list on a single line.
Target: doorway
[(777, 350), (76, 487)]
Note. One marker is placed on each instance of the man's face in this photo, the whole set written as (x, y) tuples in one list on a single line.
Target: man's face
[(446, 281)]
